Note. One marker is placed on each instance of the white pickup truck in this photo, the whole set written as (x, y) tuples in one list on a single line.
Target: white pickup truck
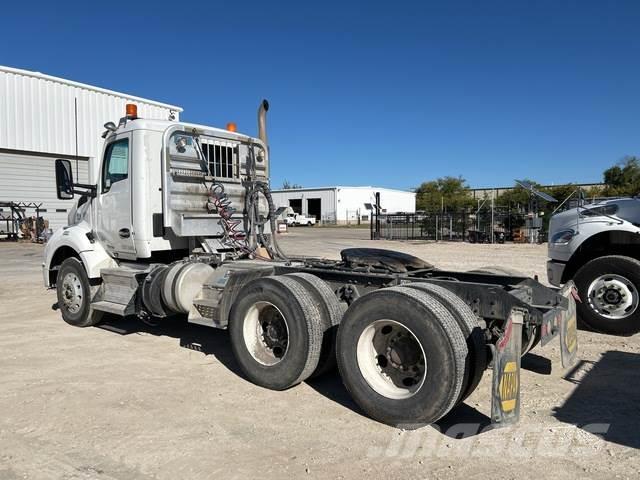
[(294, 219)]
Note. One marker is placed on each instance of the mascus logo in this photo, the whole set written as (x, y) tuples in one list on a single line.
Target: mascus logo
[(509, 385)]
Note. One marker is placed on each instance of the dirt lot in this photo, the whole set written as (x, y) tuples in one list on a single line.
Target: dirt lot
[(167, 402)]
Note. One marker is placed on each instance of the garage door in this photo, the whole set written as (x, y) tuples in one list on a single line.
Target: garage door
[(31, 179)]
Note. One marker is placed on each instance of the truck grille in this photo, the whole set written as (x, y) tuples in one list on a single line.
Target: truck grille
[(222, 159)]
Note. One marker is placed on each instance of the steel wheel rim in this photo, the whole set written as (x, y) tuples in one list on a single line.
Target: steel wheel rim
[(72, 293), (391, 359), (613, 296), (266, 333)]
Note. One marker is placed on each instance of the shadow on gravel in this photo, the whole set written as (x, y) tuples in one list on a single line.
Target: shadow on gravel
[(536, 364), (463, 421), (330, 385), (607, 392), (209, 341)]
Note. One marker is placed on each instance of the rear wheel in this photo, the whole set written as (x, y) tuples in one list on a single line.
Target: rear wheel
[(331, 312), (477, 360), (608, 287), (75, 294), (402, 356), (276, 332)]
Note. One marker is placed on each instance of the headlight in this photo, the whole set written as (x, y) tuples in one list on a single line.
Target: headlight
[(562, 237)]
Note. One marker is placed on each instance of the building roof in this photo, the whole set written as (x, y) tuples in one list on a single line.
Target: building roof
[(29, 73), (339, 187)]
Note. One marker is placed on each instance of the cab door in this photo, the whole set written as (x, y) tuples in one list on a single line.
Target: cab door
[(114, 215)]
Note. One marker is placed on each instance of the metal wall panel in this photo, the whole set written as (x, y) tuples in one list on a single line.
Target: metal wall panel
[(327, 198), (37, 113), (30, 178)]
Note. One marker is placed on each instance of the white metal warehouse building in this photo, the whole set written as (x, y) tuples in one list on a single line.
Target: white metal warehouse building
[(43, 118), (344, 205)]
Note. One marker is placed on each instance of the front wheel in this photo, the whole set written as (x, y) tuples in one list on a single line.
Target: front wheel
[(608, 287), (75, 294)]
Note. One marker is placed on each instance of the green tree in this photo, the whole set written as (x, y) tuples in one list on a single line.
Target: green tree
[(448, 193), (287, 185), (517, 198), (623, 179)]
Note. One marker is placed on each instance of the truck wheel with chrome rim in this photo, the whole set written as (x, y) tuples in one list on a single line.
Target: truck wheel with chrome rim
[(608, 288), (75, 294), (276, 332), (401, 355)]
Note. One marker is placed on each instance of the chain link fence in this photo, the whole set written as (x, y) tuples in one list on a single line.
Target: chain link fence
[(483, 226)]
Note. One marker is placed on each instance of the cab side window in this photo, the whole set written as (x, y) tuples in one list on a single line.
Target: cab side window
[(116, 164)]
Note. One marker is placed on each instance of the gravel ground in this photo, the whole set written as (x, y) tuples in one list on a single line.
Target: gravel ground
[(167, 402)]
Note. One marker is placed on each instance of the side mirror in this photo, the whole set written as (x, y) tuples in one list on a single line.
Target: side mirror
[(64, 179)]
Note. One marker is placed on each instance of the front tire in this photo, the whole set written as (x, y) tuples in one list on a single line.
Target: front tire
[(608, 287), (75, 295)]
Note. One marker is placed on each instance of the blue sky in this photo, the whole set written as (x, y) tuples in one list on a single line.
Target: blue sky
[(369, 93)]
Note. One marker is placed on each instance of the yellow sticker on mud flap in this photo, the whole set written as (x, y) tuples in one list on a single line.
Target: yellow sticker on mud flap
[(509, 386), (571, 340)]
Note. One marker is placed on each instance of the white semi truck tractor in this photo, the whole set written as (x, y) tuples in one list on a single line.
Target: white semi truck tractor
[(179, 222)]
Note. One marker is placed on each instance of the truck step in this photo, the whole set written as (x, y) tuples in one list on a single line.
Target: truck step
[(119, 286), (207, 308), (115, 308)]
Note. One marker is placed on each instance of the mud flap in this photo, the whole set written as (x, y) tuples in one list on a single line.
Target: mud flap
[(563, 323), (569, 327), (505, 395)]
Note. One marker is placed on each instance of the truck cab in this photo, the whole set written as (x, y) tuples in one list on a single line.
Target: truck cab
[(150, 199), (598, 247)]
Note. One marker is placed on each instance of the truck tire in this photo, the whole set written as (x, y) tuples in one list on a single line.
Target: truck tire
[(331, 312), (478, 359), (401, 356), (276, 332), (608, 287), (75, 295)]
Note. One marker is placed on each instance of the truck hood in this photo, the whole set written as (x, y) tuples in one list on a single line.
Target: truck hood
[(623, 211)]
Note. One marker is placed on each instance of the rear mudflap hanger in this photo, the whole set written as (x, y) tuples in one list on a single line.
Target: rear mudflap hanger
[(505, 391)]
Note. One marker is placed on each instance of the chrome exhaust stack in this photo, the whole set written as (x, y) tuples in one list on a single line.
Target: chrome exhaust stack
[(262, 122)]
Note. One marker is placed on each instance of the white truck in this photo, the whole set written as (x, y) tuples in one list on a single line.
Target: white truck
[(297, 219), (179, 222), (598, 247)]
